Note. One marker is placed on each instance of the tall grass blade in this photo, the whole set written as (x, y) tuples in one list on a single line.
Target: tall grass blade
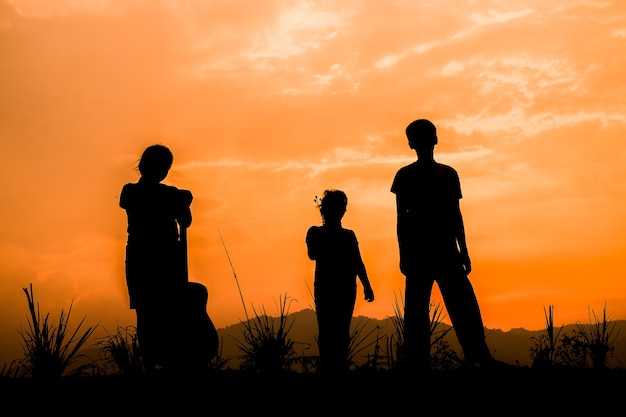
[(245, 311)]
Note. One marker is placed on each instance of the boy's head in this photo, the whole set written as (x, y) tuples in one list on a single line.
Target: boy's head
[(333, 205), (420, 133), (155, 162)]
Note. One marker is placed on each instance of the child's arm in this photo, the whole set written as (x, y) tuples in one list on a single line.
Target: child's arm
[(312, 243), (184, 215), (367, 287), (361, 272)]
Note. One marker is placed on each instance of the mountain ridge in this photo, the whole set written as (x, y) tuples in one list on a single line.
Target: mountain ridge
[(512, 346)]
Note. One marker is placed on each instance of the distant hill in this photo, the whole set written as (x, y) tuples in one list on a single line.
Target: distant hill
[(512, 346)]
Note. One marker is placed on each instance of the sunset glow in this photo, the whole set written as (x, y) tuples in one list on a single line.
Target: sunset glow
[(266, 104)]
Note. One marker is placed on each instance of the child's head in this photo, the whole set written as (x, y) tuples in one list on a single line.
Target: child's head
[(333, 205), (155, 162), (421, 133)]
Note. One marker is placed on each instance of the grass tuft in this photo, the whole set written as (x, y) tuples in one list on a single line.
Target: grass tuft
[(49, 349), (121, 351), (266, 345)]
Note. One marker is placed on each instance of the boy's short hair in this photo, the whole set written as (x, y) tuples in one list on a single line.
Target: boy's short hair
[(422, 130)]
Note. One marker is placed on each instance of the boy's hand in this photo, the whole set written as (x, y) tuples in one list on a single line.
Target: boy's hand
[(369, 294), (467, 263)]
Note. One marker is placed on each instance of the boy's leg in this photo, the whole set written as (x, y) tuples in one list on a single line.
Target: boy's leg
[(464, 311), (417, 323)]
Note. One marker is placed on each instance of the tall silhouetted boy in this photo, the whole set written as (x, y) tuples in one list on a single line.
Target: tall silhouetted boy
[(431, 240)]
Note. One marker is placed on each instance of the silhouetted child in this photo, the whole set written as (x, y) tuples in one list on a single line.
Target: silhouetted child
[(338, 263), (432, 245), (154, 276)]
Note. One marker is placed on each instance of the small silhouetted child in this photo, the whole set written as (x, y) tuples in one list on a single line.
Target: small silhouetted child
[(155, 214), (338, 264)]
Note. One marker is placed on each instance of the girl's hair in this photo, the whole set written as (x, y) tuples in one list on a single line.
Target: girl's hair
[(333, 203), (155, 162)]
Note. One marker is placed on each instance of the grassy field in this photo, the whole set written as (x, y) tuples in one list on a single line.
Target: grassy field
[(519, 390), (560, 383)]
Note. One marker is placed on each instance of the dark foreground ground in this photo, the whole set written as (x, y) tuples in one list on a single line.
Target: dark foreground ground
[(509, 392)]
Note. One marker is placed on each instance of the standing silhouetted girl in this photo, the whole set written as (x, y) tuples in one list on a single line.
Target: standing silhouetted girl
[(155, 213), (338, 263)]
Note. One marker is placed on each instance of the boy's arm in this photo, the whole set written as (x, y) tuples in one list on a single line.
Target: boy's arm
[(402, 233), (461, 241)]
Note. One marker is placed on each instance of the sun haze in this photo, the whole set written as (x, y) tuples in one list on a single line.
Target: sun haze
[(267, 104)]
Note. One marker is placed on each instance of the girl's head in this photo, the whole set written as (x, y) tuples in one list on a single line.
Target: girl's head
[(155, 162), (333, 205)]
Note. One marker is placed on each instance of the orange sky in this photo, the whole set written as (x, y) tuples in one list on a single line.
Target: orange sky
[(265, 104)]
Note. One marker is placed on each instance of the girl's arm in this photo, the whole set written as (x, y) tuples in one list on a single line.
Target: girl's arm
[(184, 216)]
